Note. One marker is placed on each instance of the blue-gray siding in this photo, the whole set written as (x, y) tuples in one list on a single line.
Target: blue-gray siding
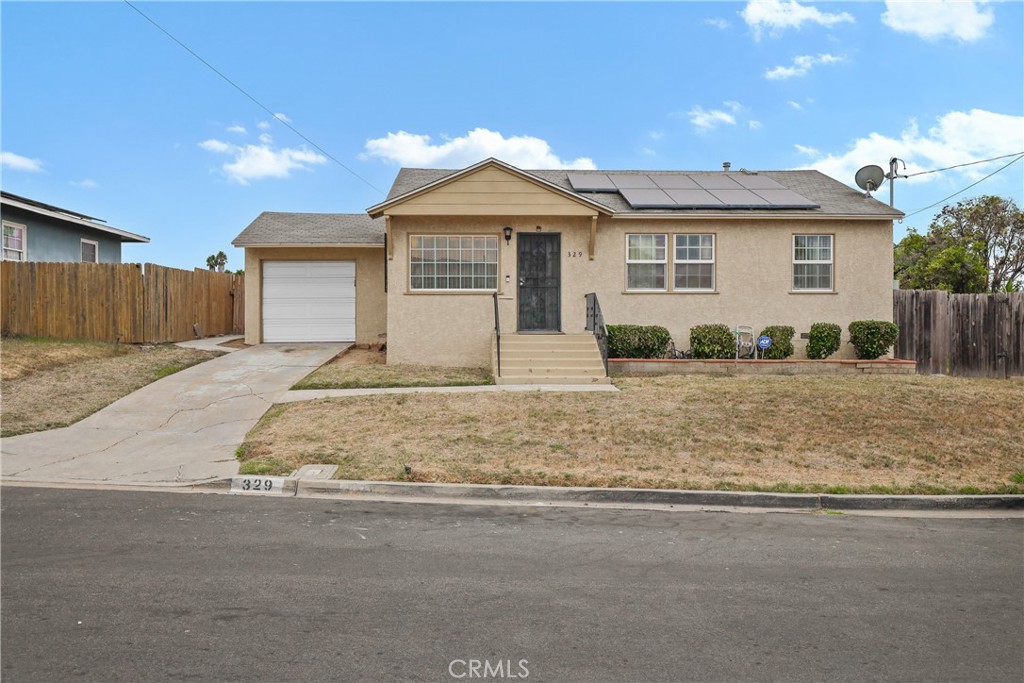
[(51, 240)]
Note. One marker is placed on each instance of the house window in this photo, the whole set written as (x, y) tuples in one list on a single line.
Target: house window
[(812, 263), (646, 262), (459, 262), (694, 262), (14, 242), (90, 251)]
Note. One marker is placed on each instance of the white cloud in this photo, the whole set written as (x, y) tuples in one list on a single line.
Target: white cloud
[(16, 162), (802, 66), (648, 151), (656, 135), (281, 117), (255, 162), (776, 15), (718, 23), (733, 106), (266, 139), (795, 105), (523, 151), (237, 129), (809, 151), (960, 19), (754, 125), (263, 125), (705, 120), (956, 138), (86, 184)]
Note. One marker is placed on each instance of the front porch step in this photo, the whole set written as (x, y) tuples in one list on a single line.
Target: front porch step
[(549, 359)]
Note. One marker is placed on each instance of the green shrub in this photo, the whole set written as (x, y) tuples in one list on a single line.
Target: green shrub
[(872, 338), (637, 341), (823, 340), (782, 342), (712, 341)]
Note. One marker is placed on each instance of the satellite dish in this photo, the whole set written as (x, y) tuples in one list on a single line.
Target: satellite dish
[(869, 178)]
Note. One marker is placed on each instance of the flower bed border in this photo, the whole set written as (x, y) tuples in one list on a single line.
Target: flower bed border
[(619, 367)]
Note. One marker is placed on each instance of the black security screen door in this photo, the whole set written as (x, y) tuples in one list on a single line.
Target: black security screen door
[(540, 282)]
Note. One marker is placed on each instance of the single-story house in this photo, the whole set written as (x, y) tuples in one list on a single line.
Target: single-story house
[(34, 231), (450, 254)]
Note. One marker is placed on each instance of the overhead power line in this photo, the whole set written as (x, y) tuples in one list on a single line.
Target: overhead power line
[(969, 163), (259, 104), (1019, 155)]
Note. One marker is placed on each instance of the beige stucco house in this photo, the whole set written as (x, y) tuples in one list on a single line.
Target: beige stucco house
[(421, 269)]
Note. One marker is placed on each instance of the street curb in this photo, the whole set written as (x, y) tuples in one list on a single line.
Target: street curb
[(557, 494)]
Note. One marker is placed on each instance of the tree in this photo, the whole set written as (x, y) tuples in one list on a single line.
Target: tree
[(217, 261), (975, 246)]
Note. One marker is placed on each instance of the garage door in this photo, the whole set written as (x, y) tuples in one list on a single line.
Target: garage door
[(308, 301)]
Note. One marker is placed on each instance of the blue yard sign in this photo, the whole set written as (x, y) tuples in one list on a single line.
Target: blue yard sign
[(763, 342)]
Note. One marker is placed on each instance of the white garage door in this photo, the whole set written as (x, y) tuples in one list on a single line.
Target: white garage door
[(308, 301)]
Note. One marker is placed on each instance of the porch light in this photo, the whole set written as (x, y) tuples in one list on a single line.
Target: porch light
[(508, 234)]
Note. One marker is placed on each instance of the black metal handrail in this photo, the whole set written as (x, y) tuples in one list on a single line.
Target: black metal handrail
[(497, 334), (595, 324)]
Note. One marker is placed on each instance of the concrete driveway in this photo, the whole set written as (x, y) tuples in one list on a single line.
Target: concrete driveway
[(180, 429)]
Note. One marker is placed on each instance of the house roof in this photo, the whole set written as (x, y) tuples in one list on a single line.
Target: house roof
[(67, 216), (447, 176), (834, 199), (272, 228)]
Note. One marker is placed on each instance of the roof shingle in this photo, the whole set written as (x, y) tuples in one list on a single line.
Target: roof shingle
[(272, 227)]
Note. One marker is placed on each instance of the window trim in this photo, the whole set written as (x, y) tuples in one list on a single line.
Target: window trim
[(487, 290), (663, 262), (24, 242), (96, 246), (713, 261), (830, 262)]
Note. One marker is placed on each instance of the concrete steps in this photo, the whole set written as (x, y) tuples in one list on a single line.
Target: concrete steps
[(548, 359)]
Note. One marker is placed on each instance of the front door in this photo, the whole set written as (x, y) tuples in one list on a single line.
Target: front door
[(540, 282)]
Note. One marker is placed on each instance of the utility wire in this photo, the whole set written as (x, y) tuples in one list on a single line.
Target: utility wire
[(1020, 155), (253, 99), (969, 163)]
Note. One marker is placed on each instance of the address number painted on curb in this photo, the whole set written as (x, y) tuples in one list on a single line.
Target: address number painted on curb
[(267, 486)]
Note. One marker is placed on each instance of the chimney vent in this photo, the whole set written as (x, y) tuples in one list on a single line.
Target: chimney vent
[(726, 165)]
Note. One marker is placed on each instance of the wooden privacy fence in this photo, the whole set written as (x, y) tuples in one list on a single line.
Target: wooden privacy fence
[(114, 301), (969, 335)]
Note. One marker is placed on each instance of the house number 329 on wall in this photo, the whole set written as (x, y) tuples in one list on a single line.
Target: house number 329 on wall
[(574, 254)]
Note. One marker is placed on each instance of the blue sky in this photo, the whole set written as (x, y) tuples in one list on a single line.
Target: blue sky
[(104, 114)]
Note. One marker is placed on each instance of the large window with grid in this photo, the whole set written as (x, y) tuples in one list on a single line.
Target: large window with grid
[(694, 264), (453, 262), (14, 242), (646, 262), (812, 263)]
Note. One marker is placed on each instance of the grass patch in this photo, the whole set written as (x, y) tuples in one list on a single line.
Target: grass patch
[(51, 383), (265, 466), (870, 434), (367, 369)]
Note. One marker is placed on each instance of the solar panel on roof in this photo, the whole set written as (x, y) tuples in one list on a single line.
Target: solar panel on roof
[(716, 181), (786, 199), (757, 182), (694, 199), (591, 182), (740, 199), (632, 182), (676, 181), (648, 199)]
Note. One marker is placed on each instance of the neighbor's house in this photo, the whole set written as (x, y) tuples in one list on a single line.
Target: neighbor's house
[(668, 248), (34, 231)]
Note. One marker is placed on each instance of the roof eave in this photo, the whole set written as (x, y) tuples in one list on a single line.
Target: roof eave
[(124, 235), (735, 215), (256, 245)]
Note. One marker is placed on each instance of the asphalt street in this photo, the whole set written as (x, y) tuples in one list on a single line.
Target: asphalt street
[(145, 586)]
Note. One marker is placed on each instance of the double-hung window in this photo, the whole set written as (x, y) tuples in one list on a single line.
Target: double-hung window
[(646, 262), (14, 242), (90, 251), (694, 263), (812, 263), (453, 262)]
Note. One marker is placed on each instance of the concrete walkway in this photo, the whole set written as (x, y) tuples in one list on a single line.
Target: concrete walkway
[(181, 429)]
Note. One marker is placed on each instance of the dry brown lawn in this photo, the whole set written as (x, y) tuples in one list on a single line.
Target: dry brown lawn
[(48, 383), (366, 368), (910, 434)]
